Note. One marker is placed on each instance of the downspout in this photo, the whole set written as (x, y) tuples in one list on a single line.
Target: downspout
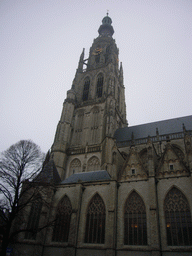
[(158, 219), (80, 202), (117, 185)]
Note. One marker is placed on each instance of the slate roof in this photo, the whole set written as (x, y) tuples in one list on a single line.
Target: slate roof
[(49, 174), (87, 177), (165, 127)]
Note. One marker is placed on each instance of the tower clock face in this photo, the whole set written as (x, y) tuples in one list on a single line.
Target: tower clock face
[(97, 51)]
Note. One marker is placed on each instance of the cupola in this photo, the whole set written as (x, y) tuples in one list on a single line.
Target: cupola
[(106, 29)]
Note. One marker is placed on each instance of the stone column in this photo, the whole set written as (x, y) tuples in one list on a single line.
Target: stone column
[(153, 226)]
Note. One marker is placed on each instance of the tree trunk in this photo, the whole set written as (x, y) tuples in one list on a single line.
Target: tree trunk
[(6, 239), (5, 244)]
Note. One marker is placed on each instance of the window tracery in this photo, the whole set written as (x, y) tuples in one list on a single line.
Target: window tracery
[(135, 226), (86, 89), (63, 219), (75, 166), (33, 221), (93, 164), (177, 218), (95, 221), (78, 128), (95, 122)]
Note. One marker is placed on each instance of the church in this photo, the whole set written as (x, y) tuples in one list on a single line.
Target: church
[(118, 190)]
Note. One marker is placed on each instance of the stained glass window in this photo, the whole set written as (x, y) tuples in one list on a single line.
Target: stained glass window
[(33, 221), (62, 222), (95, 221), (177, 218), (135, 227)]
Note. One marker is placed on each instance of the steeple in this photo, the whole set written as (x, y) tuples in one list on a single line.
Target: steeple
[(94, 107), (106, 29)]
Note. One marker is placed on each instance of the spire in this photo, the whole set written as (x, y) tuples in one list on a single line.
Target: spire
[(49, 174), (106, 29), (81, 59), (121, 74)]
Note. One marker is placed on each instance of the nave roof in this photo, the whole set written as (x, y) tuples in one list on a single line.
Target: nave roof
[(165, 127)]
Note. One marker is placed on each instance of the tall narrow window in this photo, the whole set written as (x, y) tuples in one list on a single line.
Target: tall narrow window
[(62, 222), (95, 221), (78, 128), (33, 221), (95, 135), (99, 86), (135, 228), (177, 218), (86, 89)]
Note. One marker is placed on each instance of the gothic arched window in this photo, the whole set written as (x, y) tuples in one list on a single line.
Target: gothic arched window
[(75, 166), (95, 126), (33, 221), (99, 86), (93, 164), (86, 89), (95, 221), (177, 218), (135, 226), (62, 222), (78, 128)]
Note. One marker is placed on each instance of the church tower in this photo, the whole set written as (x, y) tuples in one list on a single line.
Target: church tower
[(111, 190), (93, 110)]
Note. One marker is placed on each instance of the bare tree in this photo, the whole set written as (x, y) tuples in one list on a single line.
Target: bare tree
[(19, 165)]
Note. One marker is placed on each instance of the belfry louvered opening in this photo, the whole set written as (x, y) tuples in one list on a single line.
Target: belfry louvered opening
[(86, 89), (100, 86)]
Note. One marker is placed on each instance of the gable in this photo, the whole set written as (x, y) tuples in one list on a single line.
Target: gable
[(133, 168), (171, 163)]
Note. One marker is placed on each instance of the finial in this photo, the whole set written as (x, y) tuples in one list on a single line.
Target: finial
[(107, 12), (121, 67), (184, 129)]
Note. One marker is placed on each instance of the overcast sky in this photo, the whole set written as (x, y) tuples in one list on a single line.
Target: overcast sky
[(41, 41)]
